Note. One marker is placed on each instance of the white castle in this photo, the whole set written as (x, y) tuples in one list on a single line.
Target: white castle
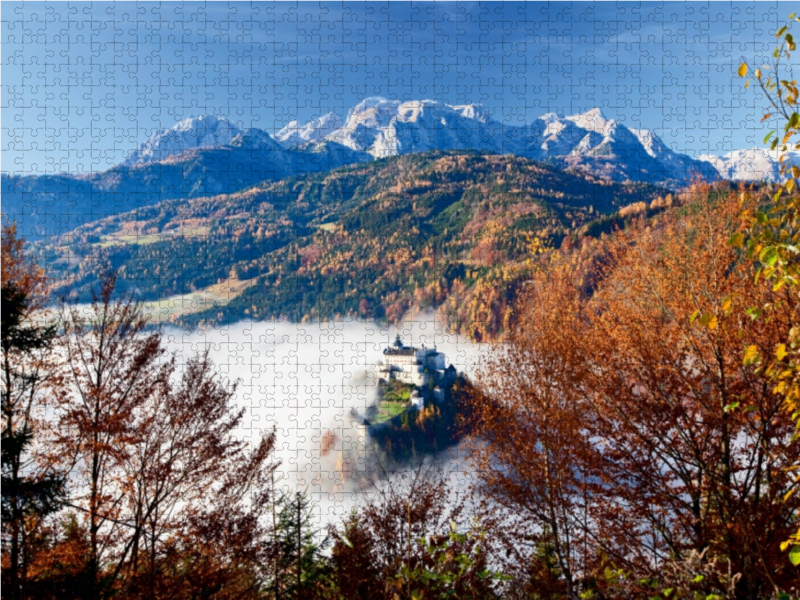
[(417, 366)]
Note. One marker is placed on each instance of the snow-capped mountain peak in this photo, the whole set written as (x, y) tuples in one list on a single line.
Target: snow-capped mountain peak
[(203, 131), (378, 127), (295, 134), (592, 120), (752, 164), (590, 141)]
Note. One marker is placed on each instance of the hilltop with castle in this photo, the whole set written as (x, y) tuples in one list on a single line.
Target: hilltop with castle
[(419, 402)]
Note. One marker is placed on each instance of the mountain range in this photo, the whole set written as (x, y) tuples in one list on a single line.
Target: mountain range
[(199, 157), (380, 128), (209, 155), (754, 164)]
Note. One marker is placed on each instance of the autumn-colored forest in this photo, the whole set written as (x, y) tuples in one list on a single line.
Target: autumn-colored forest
[(632, 435), (626, 439), (447, 230)]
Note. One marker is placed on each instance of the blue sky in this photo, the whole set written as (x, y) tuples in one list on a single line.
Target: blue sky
[(84, 83)]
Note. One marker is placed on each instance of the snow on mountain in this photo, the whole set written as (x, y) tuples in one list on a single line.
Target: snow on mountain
[(717, 162), (389, 127), (255, 139), (653, 145), (754, 164), (559, 137), (204, 131), (588, 141), (295, 134), (377, 127), (593, 120), (473, 111)]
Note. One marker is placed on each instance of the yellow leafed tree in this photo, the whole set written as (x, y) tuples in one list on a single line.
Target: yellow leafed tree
[(773, 238)]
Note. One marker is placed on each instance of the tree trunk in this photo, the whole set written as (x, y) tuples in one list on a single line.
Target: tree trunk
[(299, 547)]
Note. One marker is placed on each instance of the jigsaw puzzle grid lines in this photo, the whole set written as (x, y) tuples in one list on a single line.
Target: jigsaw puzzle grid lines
[(267, 64), (84, 84)]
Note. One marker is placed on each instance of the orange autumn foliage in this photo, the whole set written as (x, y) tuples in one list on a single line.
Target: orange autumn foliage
[(621, 424)]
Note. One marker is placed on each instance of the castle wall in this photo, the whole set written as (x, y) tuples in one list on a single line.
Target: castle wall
[(417, 366)]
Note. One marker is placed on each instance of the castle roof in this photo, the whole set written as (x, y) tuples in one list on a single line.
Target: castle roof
[(400, 349), (404, 351)]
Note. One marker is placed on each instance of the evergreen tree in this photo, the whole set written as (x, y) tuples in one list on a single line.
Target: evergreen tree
[(28, 493), (299, 567)]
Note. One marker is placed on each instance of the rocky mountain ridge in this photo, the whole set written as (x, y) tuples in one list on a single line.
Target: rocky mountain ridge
[(379, 128), (208, 155)]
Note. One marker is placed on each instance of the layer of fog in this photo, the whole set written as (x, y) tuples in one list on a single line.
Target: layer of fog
[(313, 382)]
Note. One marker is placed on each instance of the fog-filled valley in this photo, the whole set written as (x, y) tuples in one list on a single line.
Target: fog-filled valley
[(311, 380)]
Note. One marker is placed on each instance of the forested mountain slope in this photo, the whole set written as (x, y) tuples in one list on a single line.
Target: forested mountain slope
[(47, 205), (449, 229)]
